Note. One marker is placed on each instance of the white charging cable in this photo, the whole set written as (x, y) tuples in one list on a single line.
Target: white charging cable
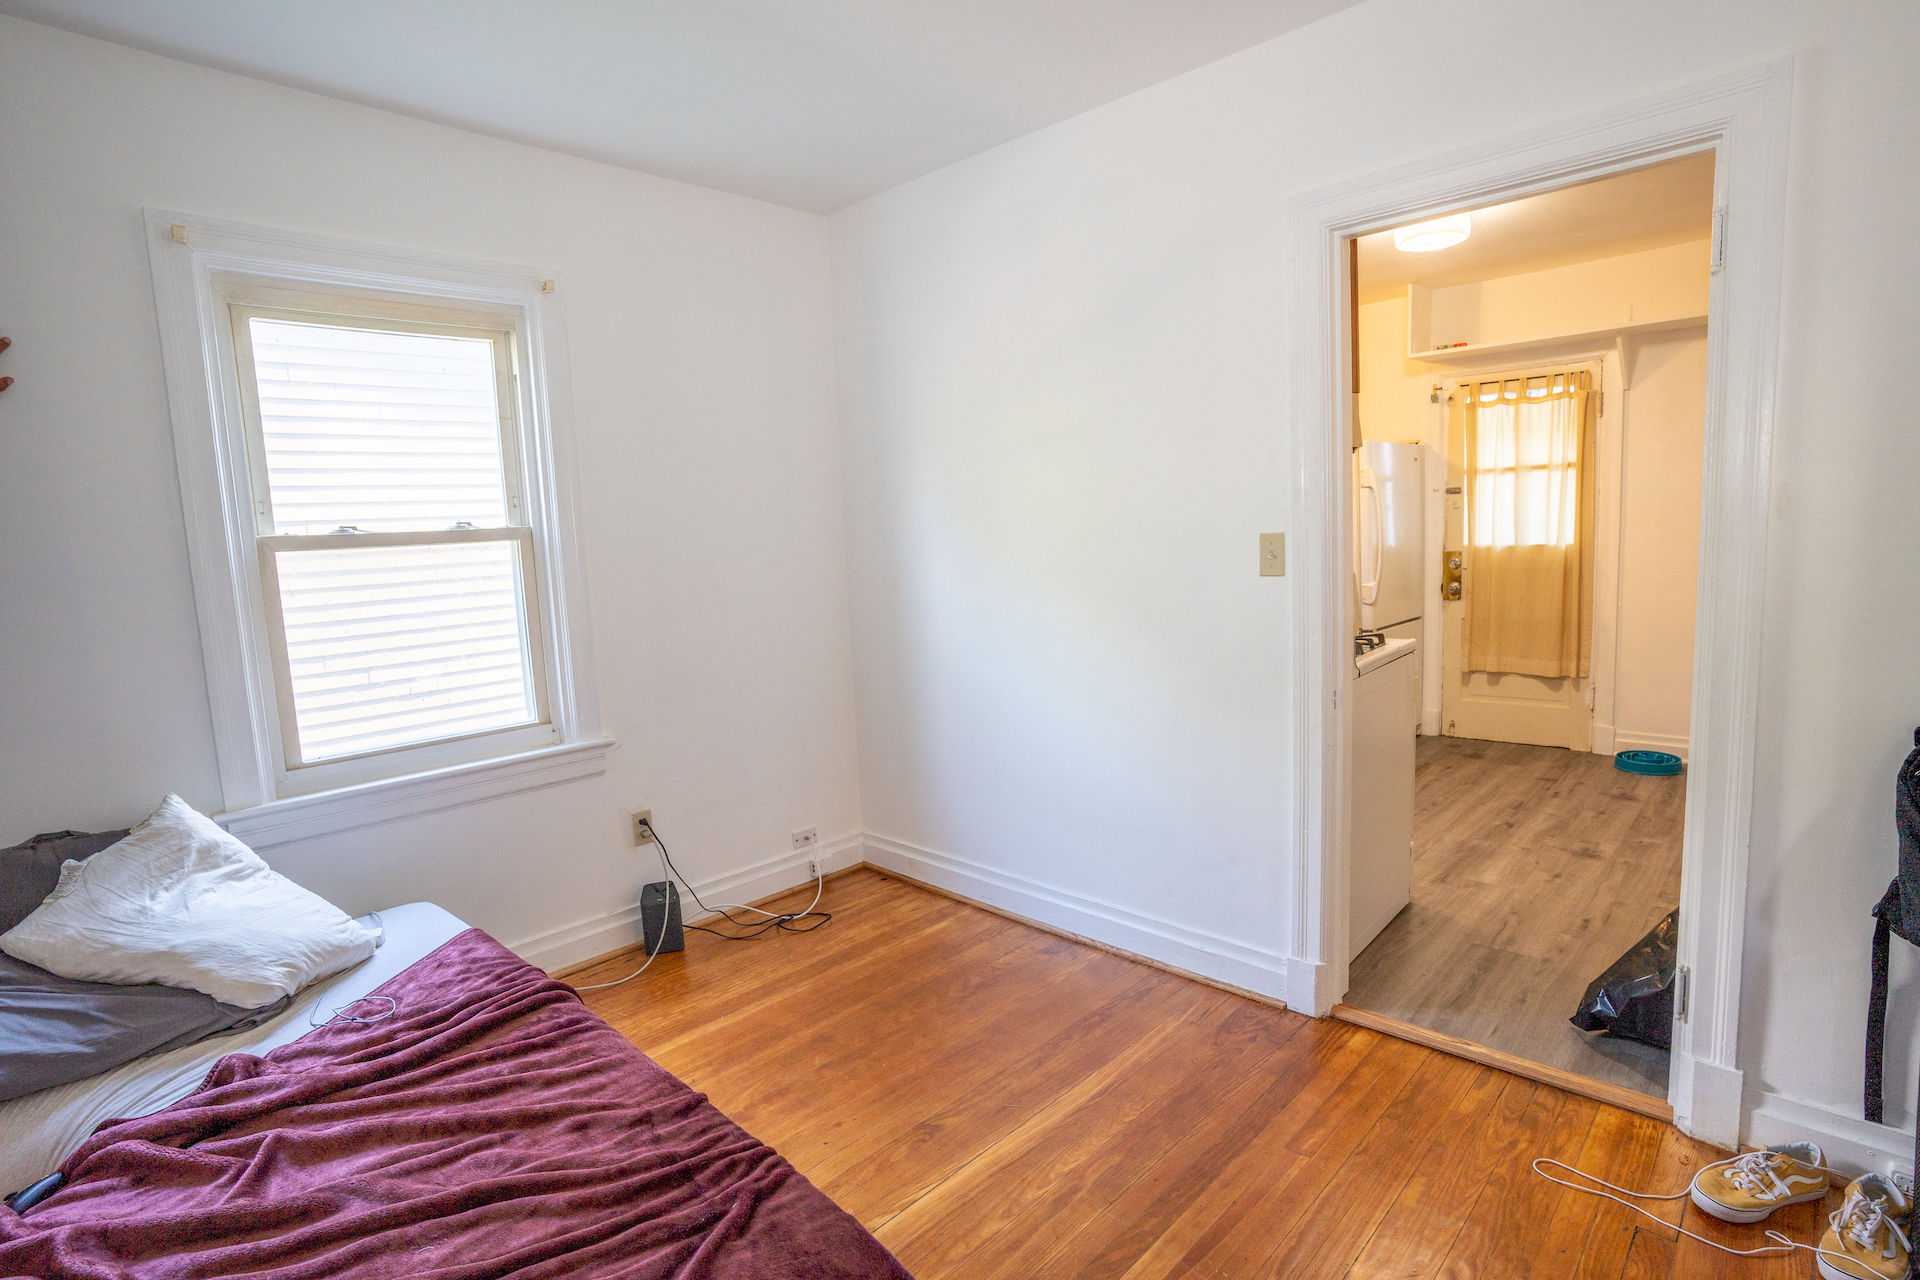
[(666, 914), (819, 887)]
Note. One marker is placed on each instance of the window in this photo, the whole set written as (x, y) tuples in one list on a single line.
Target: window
[(395, 559), (375, 463), (1528, 578), (1525, 466)]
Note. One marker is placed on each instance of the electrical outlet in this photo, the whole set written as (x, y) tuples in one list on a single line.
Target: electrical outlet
[(817, 868), (806, 837), (642, 827)]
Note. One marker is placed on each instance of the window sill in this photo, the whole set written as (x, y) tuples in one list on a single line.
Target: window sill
[(368, 804)]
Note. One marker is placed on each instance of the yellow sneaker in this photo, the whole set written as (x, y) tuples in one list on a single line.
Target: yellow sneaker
[(1864, 1240), (1749, 1187)]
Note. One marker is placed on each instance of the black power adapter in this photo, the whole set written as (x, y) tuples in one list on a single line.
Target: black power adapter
[(660, 918)]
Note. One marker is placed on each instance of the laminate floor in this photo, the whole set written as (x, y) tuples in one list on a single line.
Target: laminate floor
[(1534, 868), (994, 1101)]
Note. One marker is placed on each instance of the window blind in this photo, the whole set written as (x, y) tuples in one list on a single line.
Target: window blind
[(415, 628), (377, 429), (393, 645)]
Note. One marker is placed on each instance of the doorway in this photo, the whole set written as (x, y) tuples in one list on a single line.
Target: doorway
[(1742, 117), (1563, 565)]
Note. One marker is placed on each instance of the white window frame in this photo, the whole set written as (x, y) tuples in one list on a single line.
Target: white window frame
[(202, 269), (245, 300)]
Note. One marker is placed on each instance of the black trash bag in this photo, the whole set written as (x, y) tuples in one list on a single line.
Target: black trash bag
[(1633, 999)]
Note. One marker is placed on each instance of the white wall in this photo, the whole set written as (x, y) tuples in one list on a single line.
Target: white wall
[(701, 334), (1394, 402), (1066, 422), (1660, 455)]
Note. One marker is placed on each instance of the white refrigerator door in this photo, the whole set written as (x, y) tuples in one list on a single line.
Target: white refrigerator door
[(1388, 510)]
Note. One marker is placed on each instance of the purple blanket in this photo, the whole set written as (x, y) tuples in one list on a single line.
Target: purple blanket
[(492, 1126)]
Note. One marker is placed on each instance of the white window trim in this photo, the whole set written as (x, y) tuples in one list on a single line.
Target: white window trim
[(187, 253)]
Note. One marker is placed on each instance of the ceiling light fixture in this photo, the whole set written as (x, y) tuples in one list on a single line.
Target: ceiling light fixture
[(1441, 233)]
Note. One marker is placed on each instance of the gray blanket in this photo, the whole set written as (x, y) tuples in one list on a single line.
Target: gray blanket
[(53, 1029)]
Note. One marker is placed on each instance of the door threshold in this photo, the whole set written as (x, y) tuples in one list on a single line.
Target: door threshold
[(1613, 1095)]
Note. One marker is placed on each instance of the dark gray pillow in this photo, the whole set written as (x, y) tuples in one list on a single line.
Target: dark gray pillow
[(29, 872), (54, 1029)]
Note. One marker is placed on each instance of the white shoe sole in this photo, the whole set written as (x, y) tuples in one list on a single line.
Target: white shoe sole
[(1831, 1272), (1707, 1204)]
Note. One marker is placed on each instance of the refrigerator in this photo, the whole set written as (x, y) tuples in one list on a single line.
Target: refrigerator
[(1389, 524)]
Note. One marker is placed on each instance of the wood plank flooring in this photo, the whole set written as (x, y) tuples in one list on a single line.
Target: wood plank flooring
[(1534, 868), (994, 1101)]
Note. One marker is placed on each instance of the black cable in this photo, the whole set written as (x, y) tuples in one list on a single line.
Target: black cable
[(782, 923)]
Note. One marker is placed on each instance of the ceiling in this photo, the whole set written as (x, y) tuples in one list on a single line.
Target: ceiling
[(810, 103), (1647, 208)]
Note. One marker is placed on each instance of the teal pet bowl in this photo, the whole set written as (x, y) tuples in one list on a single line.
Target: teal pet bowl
[(1658, 764)]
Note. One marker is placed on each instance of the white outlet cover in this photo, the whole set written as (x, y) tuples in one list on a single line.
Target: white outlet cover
[(806, 837)]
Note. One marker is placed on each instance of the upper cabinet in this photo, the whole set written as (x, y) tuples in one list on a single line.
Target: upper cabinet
[(1563, 307)]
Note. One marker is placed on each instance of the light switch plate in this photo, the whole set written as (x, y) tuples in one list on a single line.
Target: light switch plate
[(1273, 555)]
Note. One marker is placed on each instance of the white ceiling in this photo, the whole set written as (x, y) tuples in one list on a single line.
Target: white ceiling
[(1648, 208), (810, 103)]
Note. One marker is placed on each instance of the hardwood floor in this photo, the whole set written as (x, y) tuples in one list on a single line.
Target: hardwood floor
[(994, 1101), (1534, 868)]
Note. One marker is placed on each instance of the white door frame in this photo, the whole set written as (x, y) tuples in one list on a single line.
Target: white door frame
[(1743, 117)]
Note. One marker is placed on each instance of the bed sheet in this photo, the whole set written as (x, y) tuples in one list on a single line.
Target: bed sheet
[(40, 1130)]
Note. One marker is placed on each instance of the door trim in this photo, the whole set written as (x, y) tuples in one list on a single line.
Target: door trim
[(1743, 118)]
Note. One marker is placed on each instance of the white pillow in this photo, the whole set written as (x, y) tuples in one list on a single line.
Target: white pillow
[(182, 903)]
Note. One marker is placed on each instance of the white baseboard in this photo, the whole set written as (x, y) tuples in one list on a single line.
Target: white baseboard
[(1851, 1145), (1310, 987), (601, 934), (1705, 1099), (1189, 950), (1626, 740)]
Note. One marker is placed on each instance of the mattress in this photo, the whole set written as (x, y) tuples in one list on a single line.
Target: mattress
[(40, 1130), (490, 1125)]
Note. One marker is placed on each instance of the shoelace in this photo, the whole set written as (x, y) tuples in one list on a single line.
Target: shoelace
[(1781, 1243), (1860, 1220), (1745, 1173)]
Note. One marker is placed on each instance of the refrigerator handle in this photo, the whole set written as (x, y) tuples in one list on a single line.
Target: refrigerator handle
[(1370, 587)]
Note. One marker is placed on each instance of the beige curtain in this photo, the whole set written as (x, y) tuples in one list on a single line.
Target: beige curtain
[(1528, 586)]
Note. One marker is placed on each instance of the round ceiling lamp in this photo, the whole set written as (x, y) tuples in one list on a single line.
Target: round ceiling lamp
[(1441, 233)]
